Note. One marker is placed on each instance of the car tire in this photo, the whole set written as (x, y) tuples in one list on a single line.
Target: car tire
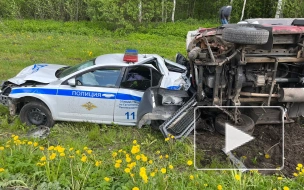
[(247, 124), (36, 113), (246, 35)]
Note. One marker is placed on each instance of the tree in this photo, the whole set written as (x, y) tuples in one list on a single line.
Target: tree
[(173, 10), (140, 11), (279, 9), (243, 10)]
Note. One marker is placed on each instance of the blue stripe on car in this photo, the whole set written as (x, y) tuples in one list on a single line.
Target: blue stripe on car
[(76, 93), (173, 87)]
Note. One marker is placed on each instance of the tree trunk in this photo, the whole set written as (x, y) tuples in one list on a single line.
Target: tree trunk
[(173, 11), (163, 10), (279, 9), (243, 10), (139, 11), (231, 1)]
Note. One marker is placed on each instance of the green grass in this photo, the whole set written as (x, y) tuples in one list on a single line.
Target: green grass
[(71, 43)]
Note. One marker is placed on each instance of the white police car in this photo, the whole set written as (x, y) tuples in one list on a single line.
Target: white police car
[(106, 89)]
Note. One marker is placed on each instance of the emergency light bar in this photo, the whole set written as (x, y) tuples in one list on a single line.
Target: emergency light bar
[(131, 55)]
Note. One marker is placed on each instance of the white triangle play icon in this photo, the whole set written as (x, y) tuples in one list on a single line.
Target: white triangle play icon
[(235, 138)]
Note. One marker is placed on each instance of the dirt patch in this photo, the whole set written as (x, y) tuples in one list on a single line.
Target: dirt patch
[(265, 151)]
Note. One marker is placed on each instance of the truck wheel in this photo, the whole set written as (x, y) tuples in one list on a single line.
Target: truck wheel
[(36, 113), (246, 35), (246, 125)]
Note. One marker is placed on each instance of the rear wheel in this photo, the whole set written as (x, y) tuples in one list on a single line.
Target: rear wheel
[(246, 124), (246, 35), (36, 113)]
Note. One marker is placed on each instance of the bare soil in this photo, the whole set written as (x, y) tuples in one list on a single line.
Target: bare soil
[(268, 141)]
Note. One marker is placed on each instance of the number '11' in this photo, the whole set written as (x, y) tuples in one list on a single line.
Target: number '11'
[(128, 115)]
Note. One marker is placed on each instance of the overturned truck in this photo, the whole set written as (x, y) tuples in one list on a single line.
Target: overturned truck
[(231, 66)]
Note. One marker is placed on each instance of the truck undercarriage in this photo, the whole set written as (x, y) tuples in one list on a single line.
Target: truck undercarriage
[(243, 65)]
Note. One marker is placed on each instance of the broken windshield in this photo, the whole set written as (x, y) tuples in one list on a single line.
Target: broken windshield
[(76, 68)]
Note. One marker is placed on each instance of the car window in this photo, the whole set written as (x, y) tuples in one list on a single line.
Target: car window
[(137, 78), (156, 76), (76, 68), (106, 77)]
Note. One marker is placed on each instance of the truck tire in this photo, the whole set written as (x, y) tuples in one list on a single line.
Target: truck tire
[(247, 124), (155, 124), (36, 113), (246, 35)]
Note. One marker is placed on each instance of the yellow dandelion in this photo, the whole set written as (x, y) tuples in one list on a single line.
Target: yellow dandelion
[(60, 149), (106, 179), (300, 165), (135, 142), (172, 137), (295, 174), (163, 170), (13, 135), (167, 139), (189, 162), (219, 187), (128, 159), (53, 156), (43, 158), (150, 161), (83, 158), (237, 177), (2, 169), (135, 149), (1, 147), (85, 148), (119, 161), (127, 170), (267, 156), (167, 156), (114, 154), (152, 174), (89, 151), (71, 156), (120, 150), (170, 166), (41, 148), (62, 154), (51, 148), (97, 163), (161, 156), (132, 175), (35, 144), (158, 152), (191, 177), (30, 142), (70, 149), (16, 138), (285, 188), (205, 184), (297, 168), (144, 159), (280, 178), (138, 157), (78, 152), (117, 165), (135, 188)]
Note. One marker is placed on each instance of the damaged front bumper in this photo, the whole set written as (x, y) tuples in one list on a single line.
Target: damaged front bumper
[(7, 101)]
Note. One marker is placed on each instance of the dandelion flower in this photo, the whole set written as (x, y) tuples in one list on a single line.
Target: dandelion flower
[(167, 139), (41, 148), (295, 174), (237, 177), (150, 161), (35, 144), (51, 148), (135, 142), (172, 137), (285, 188), (97, 163), (70, 149), (117, 165), (300, 165), (152, 174), (16, 138), (106, 179), (170, 166), (43, 158), (167, 156), (267, 156), (144, 158), (1, 148), (89, 151), (191, 177), (135, 188), (30, 142), (135, 149), (163, 170), (138, 157), (158, 152), (119, 161), (2, 169), (53, 156), (205, 184), (280, 178), (128, 159), (297, 168), (189, 162), (161, 156), (85, 148), (83, 158), (114, 154), (62, 154), (127, 170), (219, 187), (78, 152)]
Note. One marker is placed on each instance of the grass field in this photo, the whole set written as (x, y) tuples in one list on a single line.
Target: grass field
[(90, 156)]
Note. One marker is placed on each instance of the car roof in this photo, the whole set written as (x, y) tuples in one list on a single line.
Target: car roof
[(117, 59)]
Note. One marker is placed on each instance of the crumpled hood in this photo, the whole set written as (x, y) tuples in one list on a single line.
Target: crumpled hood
[(42, 72)]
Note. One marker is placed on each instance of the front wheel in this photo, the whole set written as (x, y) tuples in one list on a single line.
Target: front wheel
[(36, 113)]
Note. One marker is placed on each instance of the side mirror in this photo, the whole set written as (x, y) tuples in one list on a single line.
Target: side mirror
[(72, 82)]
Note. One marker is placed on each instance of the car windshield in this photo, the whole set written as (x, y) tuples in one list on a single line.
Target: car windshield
[(76, 68)]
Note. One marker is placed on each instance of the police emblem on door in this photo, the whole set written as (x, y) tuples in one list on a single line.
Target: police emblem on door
[(89, 106)]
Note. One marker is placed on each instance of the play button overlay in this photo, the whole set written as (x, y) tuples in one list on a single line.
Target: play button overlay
[(235, 138)]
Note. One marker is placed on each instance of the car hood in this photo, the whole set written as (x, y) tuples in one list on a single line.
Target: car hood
[(42, 72)]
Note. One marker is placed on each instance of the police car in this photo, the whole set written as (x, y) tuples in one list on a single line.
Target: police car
[(106, 89)]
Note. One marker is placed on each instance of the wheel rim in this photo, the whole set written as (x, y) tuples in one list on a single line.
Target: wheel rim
[(37, 117)]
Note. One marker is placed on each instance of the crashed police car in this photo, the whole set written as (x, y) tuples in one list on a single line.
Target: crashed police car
[(106, 89)]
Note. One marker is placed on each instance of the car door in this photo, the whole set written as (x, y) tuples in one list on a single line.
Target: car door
[(135, 81), (92, 99)]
